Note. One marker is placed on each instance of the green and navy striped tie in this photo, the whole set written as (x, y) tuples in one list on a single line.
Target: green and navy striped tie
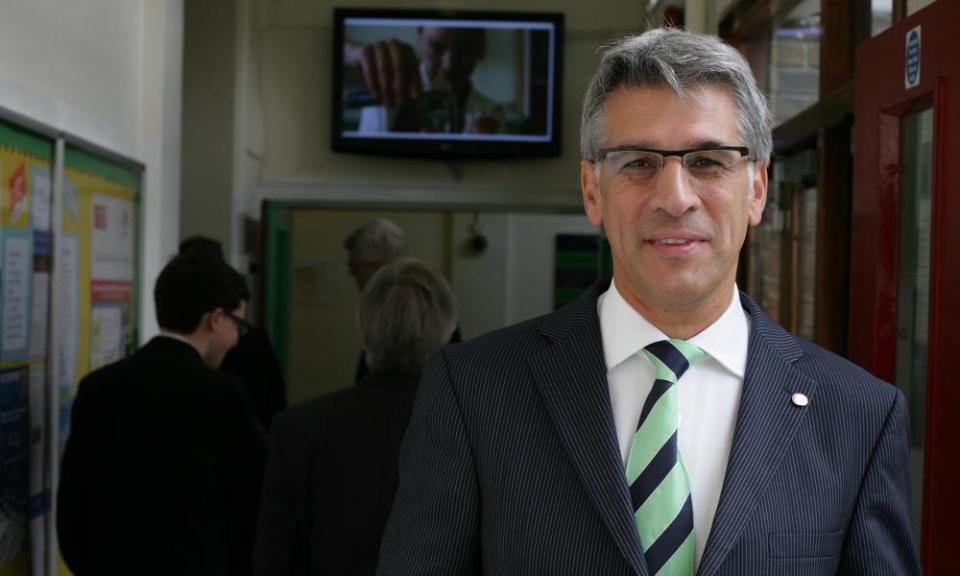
[(659, 487)]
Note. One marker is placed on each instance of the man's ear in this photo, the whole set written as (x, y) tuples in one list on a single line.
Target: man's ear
[(590, 188), (759, 199), (212, 319)]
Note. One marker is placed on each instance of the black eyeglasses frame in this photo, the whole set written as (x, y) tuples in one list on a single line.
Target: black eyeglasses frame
[(602, 152), (243, 327)]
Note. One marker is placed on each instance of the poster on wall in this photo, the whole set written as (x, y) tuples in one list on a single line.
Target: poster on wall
[(97, 271), (26, 165), (17, 266), (112, 278), (66, 350), (14, 462)]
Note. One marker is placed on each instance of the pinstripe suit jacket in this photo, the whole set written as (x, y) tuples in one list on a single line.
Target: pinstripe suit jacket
[(511, 467)]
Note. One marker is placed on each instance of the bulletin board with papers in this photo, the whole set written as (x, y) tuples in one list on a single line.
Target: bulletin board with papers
[(97, 269), (82, 267), (26, 168)]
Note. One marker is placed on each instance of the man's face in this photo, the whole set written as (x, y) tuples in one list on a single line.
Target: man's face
[(361, 270), (675, 239), (450, 55)]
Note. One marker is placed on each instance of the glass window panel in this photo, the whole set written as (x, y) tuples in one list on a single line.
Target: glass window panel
[(794, 81), (913, 290), (881, 12), (765, 248), (806, 270), (783, 248)]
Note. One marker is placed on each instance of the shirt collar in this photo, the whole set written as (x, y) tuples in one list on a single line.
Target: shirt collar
[(625, 332), (726, 339), (165, 334)]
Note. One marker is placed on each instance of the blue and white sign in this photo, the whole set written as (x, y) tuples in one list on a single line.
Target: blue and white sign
[(911, 76)]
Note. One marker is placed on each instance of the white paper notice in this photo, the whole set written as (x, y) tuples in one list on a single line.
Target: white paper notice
[(40, 314), (67, 312), (41, 199), (70, 200), (16, 277), (112, 238), (106, 335)]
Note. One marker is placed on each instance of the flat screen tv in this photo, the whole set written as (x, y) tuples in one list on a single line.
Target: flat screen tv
[(442, 84)]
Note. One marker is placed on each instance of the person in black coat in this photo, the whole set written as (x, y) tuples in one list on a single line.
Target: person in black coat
[(253, 360), (332, 470), (162, 469)]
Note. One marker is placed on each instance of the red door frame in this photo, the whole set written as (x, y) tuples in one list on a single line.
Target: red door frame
[(882, 100)]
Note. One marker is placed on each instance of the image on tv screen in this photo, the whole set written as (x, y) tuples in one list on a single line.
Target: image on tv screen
[(448, 79)]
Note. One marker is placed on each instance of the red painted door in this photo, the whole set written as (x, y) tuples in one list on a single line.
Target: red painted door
[(905, 242)]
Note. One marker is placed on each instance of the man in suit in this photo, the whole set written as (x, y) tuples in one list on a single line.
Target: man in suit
[(332, 471), (371, 246), (161, 472), (662, 423), (252, 361)]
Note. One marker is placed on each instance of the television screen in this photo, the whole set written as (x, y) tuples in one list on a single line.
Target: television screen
[(447, 84)]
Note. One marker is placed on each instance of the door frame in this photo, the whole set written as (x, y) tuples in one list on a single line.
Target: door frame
[(882, 100)]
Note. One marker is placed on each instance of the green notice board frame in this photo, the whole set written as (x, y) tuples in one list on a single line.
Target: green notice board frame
[(276, 286)]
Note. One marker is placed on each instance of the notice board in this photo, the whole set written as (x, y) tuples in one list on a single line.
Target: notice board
[(26, 168), (95, 247)]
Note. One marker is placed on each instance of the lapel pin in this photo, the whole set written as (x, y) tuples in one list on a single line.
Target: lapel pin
[(799, 399)]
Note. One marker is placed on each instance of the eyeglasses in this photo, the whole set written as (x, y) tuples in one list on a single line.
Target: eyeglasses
[(642, 165), (242, 325)]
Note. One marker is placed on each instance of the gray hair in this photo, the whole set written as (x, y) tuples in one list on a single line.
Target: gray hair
[(378, 241), (682, 61), (407, 312)]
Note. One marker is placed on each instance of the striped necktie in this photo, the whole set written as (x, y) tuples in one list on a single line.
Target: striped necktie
[(659, 487)]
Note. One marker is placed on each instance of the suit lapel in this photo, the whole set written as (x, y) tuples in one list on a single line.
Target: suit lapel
[(571, 376), (766, 423)]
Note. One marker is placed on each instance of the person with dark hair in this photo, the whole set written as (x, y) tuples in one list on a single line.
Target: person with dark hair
[(661, 424), (200, 243), (253, 360), (332, 471), (162, 469)]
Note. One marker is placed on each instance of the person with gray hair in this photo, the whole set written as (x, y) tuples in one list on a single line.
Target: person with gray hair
[(332, 470), (661, 424), (372, 245), (406, 314), (369, 247)]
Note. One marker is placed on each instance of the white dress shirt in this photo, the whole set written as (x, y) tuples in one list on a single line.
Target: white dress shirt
[(709, 393)]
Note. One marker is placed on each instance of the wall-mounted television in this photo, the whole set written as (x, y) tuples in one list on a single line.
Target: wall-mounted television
[(445, 84)]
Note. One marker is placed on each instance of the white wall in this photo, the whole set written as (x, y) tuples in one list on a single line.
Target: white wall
[(283, 118), (209, 51), (914, 5), (295, 73), (531, 264), (512, 280), (106, 71)]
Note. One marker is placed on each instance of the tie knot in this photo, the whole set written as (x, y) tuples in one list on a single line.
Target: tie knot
[(673, 355)]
